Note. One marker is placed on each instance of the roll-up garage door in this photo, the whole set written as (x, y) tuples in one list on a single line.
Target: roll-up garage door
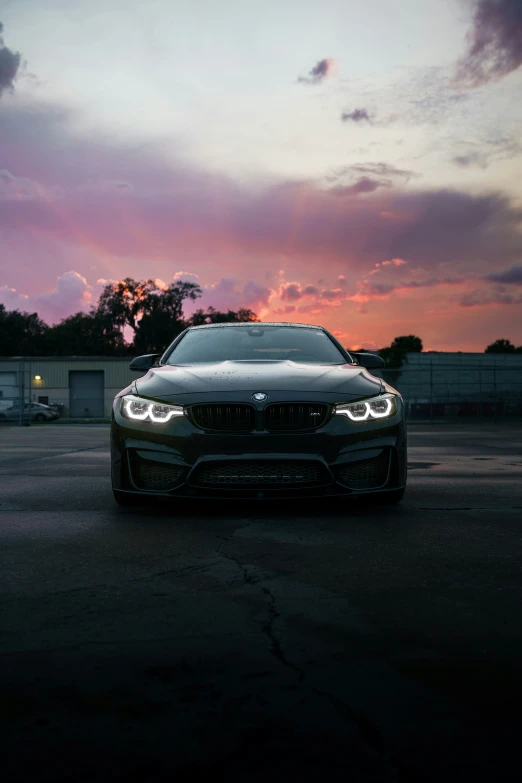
[(86, 393)]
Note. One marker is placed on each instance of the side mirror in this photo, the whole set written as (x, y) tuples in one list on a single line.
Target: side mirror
[(369, 360), (144, 362)]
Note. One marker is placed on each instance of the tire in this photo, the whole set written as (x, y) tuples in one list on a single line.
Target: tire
[(39, 417), (390, 498), (127, 500)]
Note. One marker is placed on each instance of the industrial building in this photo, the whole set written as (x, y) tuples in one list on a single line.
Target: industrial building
[(85, 387)]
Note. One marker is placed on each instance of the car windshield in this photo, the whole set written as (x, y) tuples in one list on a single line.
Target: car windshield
[(256, 343)]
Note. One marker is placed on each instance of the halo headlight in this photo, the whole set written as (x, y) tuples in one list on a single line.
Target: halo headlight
[(381, 407), (138, 409)]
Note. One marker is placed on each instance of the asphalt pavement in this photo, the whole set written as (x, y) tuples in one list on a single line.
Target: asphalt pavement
[(239, 641)]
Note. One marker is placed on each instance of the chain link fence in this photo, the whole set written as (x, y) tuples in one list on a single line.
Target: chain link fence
[(441, 391)]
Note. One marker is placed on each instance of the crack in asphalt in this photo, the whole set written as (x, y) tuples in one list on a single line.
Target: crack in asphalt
[(173, 572), (368, 730), (275, 645)]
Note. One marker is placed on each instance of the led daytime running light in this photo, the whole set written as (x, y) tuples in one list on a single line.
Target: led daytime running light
[(148, 411), (382, 414), (353, 410)]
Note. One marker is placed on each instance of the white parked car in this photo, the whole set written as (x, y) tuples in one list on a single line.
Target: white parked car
[(36, 411)]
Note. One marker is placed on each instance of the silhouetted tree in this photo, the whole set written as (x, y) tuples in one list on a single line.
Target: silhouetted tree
[(213, 316), (161, 316), (85, 334), (155, 331), (394, 355), (155, 314), (21, 334), (503, 346), (124, 301)]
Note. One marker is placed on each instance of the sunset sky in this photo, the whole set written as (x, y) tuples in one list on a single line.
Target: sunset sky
[(350, 163)]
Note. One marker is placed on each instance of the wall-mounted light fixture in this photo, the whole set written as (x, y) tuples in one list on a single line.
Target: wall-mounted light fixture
[(38, 377)]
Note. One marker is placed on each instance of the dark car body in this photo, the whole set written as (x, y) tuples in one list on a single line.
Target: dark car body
[(228, 444)]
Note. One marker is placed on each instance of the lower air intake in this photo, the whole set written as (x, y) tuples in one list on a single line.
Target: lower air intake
[(366, 474), (159, 476), (262, 474)]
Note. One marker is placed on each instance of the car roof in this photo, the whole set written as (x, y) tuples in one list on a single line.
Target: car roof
[(254, 324)]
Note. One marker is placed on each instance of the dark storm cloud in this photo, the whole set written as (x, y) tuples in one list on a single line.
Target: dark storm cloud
[(373, 288), (293, 291), (357, 115), (488, 151), (471, 159), (363, 185), (480, 297), (379, 170), (384, 170), (322, 70), (494, 43), (511, 276), (9, 65)]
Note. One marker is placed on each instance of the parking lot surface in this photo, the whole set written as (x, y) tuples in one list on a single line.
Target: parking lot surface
[(306, 641)]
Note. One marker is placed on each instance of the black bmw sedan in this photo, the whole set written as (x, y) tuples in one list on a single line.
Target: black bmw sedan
[(257, 410)]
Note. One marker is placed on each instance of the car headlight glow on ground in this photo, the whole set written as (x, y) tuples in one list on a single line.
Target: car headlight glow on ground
[(381, 407), (138, 409)]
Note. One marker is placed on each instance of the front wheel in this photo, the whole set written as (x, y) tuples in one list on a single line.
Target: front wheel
[(390, 498), (126, 500)]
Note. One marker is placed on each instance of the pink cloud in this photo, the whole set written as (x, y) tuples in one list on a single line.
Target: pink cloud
[(333, 295), (495, 295), (395, 262), (228, 294), (166, 213), (107, 212), (369, 289), (293, 291), (13, 299), (71, 294)]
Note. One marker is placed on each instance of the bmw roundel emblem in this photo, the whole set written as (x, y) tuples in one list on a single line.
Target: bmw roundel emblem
[(260, 396)]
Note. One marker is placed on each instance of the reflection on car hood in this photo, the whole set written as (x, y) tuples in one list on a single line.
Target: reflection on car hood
[(258, 376)]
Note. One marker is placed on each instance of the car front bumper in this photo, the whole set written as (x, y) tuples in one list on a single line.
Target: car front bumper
[(179, 459)]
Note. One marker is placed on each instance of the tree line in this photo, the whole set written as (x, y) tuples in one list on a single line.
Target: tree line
[(154, 314), (156, 317), (394, 355)]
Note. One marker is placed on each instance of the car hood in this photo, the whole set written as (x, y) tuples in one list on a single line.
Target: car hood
[(248, 377)]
